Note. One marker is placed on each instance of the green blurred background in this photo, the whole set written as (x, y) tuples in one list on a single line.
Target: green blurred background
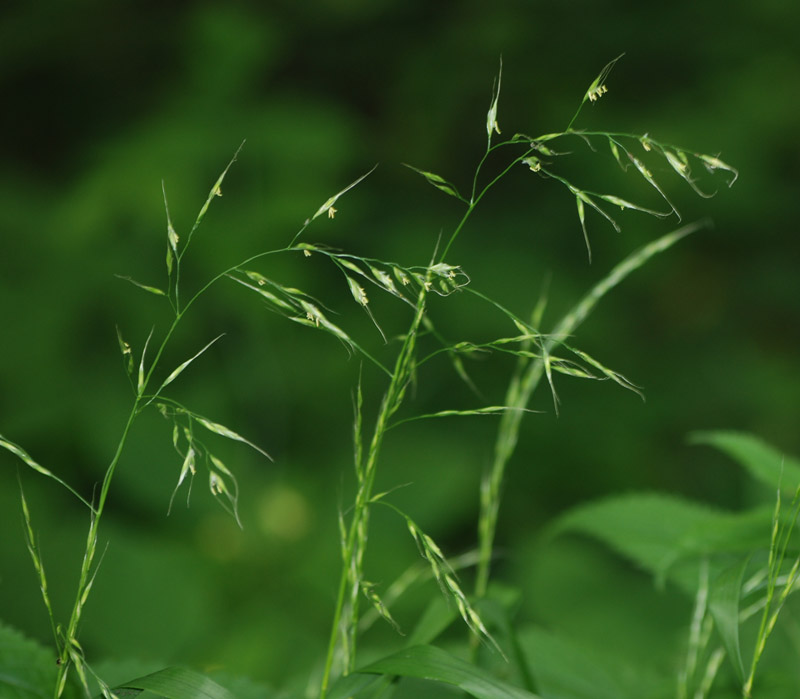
[(103, 101)]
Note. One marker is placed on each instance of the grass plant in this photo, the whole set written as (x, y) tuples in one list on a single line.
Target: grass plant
[(540, 355)]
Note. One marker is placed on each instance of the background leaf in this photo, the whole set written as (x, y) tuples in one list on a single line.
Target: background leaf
[(762, 461), (565, 669), (178, 683), (432, 663), (723, 603), (27, 670), (657, 531)]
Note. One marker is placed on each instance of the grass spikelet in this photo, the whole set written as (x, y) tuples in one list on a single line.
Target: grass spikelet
[(177, 372), (289, 303), (38, 565), (713, 163), (488, 410), (446, 578), (610, 373), (327, 207), (223, 431), (437, 181), (216, 191), (172, 236), (385, 281), (778, 548), (596, 89), (582, 219), (377, 603), (623, 204), (187, 468), (140, 382), (218, 477), (680, 164), (126, 352), (358, 426), (491, 116), (640, 166), (614, 146), (151, 289)]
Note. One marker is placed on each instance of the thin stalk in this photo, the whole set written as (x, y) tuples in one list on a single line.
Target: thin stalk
[(86, 577), (525, 380), (474, 200), (345, 618), (68, 646)]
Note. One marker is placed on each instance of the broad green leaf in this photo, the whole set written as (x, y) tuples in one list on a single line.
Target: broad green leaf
[(565, 669), (431, 663), (436, 181), (177, 683), (350, 686), (27, 670), (762, 461), (656, 531), (499, 609), (723, 603)]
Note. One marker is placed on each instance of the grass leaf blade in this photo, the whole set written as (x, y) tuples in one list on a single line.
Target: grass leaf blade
[(723, 603), (178, 683), (762, 462), (437, 181), (432, 663), (26, 458)]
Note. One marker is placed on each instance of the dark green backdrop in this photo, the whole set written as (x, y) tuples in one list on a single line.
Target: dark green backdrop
[(101, 101)]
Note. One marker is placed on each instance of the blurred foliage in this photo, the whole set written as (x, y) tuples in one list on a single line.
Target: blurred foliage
[(103, 101)]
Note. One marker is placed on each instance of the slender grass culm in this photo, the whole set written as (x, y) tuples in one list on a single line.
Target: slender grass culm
[(539, 354)]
